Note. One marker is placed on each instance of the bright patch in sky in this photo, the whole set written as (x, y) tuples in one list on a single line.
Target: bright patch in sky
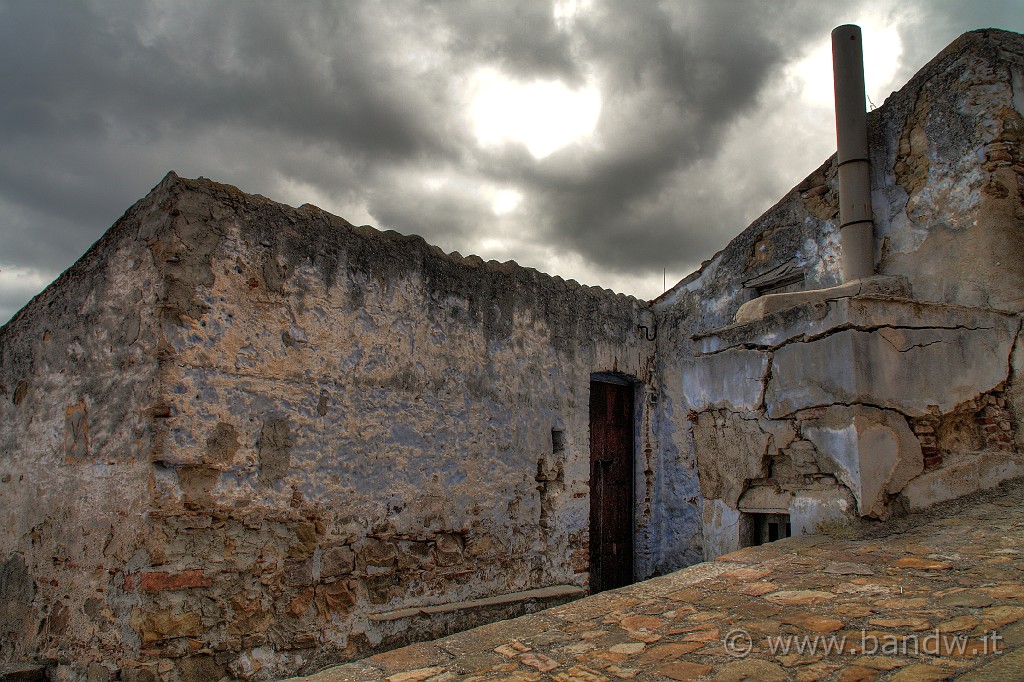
[(882, 50), (18, 284), (505, 201), (565, 11), (29, 279), (542, 115)]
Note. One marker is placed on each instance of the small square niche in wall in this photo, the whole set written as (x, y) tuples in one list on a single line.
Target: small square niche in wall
[(557, 441)]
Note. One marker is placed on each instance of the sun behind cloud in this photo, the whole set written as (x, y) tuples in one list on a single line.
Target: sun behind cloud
[(882, 50), (543, 115)]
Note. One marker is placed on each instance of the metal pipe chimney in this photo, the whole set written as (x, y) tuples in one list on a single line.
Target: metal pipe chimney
[(856, 231)]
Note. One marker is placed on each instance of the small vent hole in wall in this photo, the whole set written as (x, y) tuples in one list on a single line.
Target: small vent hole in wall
[(557, 441)]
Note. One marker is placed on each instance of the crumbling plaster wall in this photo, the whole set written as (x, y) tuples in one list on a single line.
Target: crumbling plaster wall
[(360, 424), (78, 381), (325, 436), (947, 187), (851, 392), (381, 414)]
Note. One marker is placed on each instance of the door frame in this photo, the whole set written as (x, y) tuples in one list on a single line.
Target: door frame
[(635, 386)]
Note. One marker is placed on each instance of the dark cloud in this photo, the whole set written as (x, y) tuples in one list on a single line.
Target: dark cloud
[(12, 300), (523, 38), (327, 73), (447, 215), (356, 105), (675, 77), (102, 100)]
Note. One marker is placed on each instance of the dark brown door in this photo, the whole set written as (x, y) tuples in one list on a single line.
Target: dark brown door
[(611, 485)]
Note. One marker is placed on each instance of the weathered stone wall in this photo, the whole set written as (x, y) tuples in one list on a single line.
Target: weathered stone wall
[(947, 176), (360, 424), (78, 381), (327, 438), (947, 188)]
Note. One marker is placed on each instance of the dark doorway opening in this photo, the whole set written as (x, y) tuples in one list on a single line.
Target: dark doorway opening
[(611, 484), (769, 528)]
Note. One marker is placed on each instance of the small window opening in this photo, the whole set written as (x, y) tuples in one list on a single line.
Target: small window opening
[(785, 278), (783, 286)]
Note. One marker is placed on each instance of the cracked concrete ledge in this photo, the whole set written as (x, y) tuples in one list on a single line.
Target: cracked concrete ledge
[(913, 371), (901, 355), (555, 592), (812, 320), (878, 286)]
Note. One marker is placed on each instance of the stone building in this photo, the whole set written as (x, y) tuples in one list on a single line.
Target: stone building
[(239, 438)]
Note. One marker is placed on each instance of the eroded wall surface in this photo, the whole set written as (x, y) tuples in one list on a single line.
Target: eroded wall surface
[(854, 406), (359, 425), (78, 383), (328, 441), (947, 188)]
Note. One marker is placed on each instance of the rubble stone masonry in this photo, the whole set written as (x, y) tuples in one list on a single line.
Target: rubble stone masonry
[(255, 438)]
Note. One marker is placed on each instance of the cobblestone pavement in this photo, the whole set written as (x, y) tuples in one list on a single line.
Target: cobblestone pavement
[(942, 599)]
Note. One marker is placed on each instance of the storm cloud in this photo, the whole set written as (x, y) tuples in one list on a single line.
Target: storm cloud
[(367, 110)]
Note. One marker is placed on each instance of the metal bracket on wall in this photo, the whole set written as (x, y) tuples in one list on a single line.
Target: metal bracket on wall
[(648, 332)]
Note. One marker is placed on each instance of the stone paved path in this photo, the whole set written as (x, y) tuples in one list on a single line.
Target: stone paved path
[(942, 600)]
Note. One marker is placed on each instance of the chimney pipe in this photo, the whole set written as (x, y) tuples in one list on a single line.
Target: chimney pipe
[(856, 231)]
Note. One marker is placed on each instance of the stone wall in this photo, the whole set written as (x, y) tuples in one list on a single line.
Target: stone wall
[(930, 337), (947, 167), (361, 425), (349, 440), (78, 383)]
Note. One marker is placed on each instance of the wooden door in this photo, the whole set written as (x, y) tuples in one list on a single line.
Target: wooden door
[(611, 485)]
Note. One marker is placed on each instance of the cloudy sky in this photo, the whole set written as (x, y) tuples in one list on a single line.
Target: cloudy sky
[(617, 142)]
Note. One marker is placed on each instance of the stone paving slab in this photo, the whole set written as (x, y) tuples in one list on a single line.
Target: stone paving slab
[(940, 599)]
